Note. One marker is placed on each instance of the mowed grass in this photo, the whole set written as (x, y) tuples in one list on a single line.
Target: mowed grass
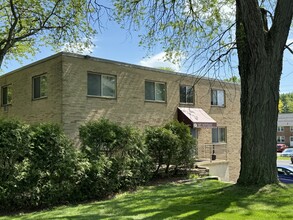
[(212, 200), (283, 158)]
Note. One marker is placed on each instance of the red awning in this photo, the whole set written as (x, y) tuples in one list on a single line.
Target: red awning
[(196, 118)]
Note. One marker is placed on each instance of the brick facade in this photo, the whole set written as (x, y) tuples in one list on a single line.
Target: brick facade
[(68, 104), (285, 128)]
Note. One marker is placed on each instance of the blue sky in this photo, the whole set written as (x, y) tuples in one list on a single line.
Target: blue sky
[(117, 44)]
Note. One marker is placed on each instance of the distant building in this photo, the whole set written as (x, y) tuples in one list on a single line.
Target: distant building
[(285, 129), (70, 89)]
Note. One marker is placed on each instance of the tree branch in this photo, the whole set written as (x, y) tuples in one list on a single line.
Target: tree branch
[(288, 48), (253, 23), (281, 23)]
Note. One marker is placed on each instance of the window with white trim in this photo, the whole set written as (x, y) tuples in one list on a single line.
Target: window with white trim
[(280, 139), (6, 92), (40, 86), (291, 128), (218, 97), (101, 85), (280, 129), (155, 91), (186, 94), (219, 135)]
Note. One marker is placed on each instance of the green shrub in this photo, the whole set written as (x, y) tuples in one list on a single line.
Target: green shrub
[(171, 145), (162, 146), (39, 166), (185, 153), (117, 155), (15, 144), (53, 166)]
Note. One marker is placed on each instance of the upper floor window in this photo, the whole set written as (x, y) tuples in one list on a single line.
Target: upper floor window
[(101, 85), (291, 128), (40, 86), (6, 95), (186, 94), (219, 135), (280, 139), (280, 129), (218, 97), (155, 91)]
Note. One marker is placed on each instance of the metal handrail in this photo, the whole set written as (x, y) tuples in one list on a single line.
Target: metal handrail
[(212, 151)]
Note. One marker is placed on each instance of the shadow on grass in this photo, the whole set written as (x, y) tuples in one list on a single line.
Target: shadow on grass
[(174, 201)]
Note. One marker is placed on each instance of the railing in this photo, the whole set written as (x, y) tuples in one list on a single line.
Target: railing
[(215, 151)]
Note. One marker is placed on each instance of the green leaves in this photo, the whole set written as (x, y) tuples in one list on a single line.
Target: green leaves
[(37, 166), (287, 103), (118, 157), (170, 145), (196, 28), (27, 25)]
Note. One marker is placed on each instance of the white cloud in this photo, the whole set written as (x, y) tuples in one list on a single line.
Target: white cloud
[(159, 60), (85, 48)]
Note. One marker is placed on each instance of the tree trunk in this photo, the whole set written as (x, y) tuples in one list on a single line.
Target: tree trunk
[(260, 54), (259, 113)]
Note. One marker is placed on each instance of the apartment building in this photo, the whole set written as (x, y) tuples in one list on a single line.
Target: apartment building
[(285, 129), (70, 89)]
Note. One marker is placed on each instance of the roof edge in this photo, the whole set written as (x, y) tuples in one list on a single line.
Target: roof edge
[(68, 54)]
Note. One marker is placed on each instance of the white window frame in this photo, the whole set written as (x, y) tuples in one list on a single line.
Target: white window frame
[(186, 94), (280, 139), (103, 76), (291, 128), (40, 86), (280, 129), (216, 95), (219, 129), (155, 91)]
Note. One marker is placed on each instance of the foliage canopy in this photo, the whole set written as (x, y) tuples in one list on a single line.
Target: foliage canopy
[(30, 24)]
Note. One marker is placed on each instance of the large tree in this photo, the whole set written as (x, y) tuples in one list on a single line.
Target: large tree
[(207, 32), (26, 25)]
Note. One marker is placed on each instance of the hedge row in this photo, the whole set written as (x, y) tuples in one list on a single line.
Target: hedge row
[(40, 167)]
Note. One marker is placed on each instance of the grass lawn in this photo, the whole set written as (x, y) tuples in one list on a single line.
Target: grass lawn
[(283, 158), (211, 200)]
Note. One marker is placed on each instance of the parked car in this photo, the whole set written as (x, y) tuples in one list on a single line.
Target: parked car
[(285, 174), (281, 147), (287, 152)]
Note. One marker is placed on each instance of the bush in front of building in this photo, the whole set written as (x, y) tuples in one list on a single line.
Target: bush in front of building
[(185, 153), (162, 146), (53, 166), (15, 143), (171, 145), (38, 166), (118, 158)]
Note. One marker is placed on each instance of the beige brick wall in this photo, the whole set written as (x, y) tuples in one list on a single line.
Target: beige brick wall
[(130, 106), (22, 106), (67, 102)]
